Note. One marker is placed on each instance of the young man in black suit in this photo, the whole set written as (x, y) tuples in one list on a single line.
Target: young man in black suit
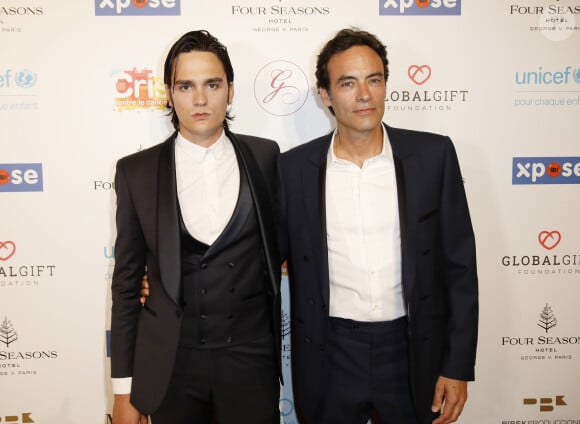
[(196, 213)]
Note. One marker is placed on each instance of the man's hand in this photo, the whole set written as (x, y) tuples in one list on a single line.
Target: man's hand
[(144, 290), (450, 395), (125, 413)]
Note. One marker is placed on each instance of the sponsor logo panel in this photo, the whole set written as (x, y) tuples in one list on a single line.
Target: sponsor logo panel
[(14, 274), (281, 88), (18, 90), (546, 170), (549, 258), (16, 177), (137, 7), (423, 94), (419, 7)]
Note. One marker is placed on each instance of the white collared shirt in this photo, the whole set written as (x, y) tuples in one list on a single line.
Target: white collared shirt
[(364, 237), (208, 185)]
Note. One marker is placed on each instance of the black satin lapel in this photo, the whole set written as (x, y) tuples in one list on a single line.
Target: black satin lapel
[(168, 238), (239, 216), (314, 188), (402, 198), (264, 208)]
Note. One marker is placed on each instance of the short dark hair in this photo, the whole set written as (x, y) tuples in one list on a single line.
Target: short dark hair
[(202, 41), (343, 40)]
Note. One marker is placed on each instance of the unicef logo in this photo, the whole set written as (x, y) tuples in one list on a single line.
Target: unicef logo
[(576, 75), (25, 78), (281, 88)]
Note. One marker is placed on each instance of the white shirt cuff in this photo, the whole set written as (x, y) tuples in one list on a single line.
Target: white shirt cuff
[(121, 386)]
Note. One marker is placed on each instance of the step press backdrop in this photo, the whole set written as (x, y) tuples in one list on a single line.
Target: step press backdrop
[(81, 86)]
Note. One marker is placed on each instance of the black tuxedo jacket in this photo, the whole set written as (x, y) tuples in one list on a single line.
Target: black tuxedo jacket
[(438, 263), (144, 340)]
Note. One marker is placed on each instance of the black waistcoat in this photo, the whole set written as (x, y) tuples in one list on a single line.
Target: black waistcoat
[(224, 285)]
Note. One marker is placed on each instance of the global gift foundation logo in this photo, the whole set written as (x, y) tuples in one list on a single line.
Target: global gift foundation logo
[(281, 88), (546, 170), (546, 344), (419, 7), (549, 258), (21, 177), (138, 90), (7, 250), (421, 95), (14, 274), (137, 7)]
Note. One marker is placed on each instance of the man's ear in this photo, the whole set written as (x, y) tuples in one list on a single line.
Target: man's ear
[(168, 95), (230, 93), (325, 96)]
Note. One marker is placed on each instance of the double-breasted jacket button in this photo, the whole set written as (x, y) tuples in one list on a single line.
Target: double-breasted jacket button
[(232, 265), (203, 265)]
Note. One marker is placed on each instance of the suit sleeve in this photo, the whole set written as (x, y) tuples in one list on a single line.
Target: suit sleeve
[(130, 259), (459, 273)]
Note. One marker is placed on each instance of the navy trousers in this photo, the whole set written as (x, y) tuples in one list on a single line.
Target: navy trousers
[(367, 373)]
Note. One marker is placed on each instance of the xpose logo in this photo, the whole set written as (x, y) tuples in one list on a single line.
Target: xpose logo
[(20, 177), (546, 170), (137, 7), (419, 7)]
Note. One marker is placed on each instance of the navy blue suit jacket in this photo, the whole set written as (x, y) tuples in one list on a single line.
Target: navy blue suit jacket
[(439, 274)]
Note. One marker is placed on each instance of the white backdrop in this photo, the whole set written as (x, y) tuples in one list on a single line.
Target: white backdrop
[(501, 78)]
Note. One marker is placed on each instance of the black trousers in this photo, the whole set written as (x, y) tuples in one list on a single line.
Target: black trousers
[(367, 373), (233, 385)]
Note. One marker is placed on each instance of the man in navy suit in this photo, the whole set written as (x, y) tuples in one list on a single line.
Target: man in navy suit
[(197, 214), (381, 257)]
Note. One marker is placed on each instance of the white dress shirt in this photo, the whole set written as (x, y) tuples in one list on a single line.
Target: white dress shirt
[(364, 237), (208, 185)]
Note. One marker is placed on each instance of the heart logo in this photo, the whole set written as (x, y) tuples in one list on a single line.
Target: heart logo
[(7, 249), (419, 74), (549, 239)]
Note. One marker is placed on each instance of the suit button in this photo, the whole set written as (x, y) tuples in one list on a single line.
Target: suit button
[(307, 339), (232, 265), (203, 317), (203, 265), (202, 341), (230, 316), (204, 291), (229, 340), (178, 312)]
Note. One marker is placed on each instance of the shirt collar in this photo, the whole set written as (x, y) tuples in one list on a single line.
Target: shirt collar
[(386, 152), (199, 153)]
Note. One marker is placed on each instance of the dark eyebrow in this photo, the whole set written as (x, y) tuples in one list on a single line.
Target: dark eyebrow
[(207, 81), (349, 77)]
